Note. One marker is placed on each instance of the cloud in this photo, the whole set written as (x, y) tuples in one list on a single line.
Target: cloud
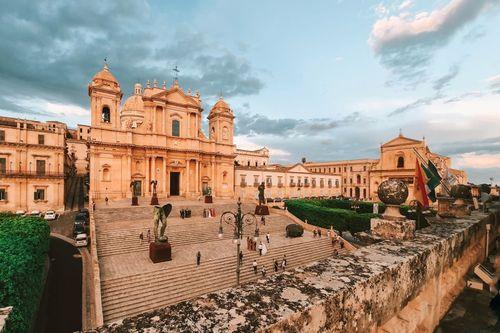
[(445, 80), (51, 49), (416, 104), (483, 146), (256, 124), (477, 161), (406, 43), (493, 81), (405, 5)]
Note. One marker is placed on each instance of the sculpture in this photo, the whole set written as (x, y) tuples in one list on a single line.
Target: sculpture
[(160, 222), (134, 187), (262, 197)]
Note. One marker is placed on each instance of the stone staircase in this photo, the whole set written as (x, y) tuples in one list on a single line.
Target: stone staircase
[(131, 295), (180, 232)]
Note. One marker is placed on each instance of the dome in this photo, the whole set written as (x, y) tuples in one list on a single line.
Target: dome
[(104, 74), (105, 80), (221, 108), (134, 104), (221, 104)]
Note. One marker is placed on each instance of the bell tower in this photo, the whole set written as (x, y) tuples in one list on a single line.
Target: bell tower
[(221, 123), (105, 97)]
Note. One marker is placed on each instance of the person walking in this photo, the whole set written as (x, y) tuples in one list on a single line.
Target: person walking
[(106, 199), (263, 271), (319, 233), (149, 236), (254, 265), (276, 265), (260, 248), (314, 233), (341, 243), (198, 258), (267, 238), (93, 205), (283, 262), (141, 237), (241, 257), (262, 220)]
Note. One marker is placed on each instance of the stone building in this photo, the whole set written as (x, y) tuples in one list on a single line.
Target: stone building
[(78, 152), (252, 158), (284, 182), (32, 165), (360, 178), (157, 135)]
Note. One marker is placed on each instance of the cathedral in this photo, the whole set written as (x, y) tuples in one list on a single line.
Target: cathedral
[(157, 135)]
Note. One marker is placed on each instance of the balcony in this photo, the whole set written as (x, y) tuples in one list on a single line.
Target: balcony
[(313, 185), (307, 184), (256, 184), (30, 174), (243, 184), (280, 185), (269, 185), (292, 184)]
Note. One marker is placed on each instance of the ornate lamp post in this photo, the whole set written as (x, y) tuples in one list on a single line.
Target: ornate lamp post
[(238, 221)]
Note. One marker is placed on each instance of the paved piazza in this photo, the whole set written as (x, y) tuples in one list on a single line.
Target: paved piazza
[(127, 272)]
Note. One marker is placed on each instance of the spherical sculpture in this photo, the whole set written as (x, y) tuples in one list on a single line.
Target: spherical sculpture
[(393, 192)]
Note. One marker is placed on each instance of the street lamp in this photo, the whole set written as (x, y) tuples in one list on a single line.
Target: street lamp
[(238, 222)]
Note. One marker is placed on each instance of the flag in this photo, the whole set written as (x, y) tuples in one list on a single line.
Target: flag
[(419, 186), (433, 179)]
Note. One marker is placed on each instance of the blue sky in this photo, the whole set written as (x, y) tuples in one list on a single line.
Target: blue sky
[(322, 79)]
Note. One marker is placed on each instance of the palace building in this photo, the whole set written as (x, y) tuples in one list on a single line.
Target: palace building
[(157, 135), (361, 178)]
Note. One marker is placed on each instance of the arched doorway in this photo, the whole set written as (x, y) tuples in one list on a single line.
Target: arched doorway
[(356, 192)]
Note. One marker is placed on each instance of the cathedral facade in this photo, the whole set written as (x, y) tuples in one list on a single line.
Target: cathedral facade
[(157, 135)]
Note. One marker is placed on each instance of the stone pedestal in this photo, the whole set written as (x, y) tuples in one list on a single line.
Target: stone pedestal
[(261, 210), (135, 201), (444, 207), (160, 251), (460, 209), (396, 229), (208, 199), (154, 200)]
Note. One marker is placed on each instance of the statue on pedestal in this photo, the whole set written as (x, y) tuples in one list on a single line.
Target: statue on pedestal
[(262, 209), (160, 250), (134, 187), (154, 198)]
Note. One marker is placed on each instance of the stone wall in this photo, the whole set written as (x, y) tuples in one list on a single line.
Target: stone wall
[(391, 286)]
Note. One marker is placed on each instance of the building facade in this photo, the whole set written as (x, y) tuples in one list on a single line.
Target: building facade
[(32, 165), (361, 178), (252, 158), (284, 182), (157, 135)]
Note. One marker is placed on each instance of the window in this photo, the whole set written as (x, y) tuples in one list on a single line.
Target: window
[(358, 179), (106, 114), (364, 168), (3, 165), (39, 194), (248, 163), (176, 128), (3, 194), (350, 192), (364, 180), (401, 162), (40, 167), (256, 163), (243, 180), (350, 168), (334, 170), (345, 169), (256, 180), (336, 183), (41, 139), (269, 181), (2, 136), (106, 175), (350, 180), (364, 193)]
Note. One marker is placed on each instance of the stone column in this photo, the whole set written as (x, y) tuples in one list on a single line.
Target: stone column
[(163, 123), (187, 177), (164, 176), (154, 119), (148, 170), (213, 177), (129, 176), (197, 182)]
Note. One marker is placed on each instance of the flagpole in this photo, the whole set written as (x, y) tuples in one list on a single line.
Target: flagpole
[(425, 161)]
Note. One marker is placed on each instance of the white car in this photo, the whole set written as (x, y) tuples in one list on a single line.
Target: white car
[(50, 215), (35, 213), (81, 240), (20, 212)]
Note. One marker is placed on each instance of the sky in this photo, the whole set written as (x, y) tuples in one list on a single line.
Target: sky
[(325, 80)]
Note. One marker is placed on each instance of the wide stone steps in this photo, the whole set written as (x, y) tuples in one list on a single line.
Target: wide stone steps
[(119, 242), (127, 296)]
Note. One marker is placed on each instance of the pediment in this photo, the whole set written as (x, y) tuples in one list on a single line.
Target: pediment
[(298, 168), (177, 96), (401, 140)]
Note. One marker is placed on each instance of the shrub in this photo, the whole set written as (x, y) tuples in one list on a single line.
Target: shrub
[(24, 242), (294, 230), (340, 219)]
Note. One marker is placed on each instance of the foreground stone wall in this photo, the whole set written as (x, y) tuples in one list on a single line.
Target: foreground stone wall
[(389, 286)]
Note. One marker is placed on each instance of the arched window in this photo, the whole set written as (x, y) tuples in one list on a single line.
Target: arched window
[(106, 175), (106, 114), (358, 179), (176, 128), (401, 162)]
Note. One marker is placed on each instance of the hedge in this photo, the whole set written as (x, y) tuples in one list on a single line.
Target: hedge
[(340, 219), (294, 230), (24, 243)]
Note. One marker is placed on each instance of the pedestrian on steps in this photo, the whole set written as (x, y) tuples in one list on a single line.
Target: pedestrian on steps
[(254, 264), (276, 265), (319, 233), (241, 257), (198, 258), (260, 248), (106, 199), (93, 205), (262, 220), (283, 262), (314, 233), (141, 237), (263, 271), (341, 243), (149, 236), (267, 238)]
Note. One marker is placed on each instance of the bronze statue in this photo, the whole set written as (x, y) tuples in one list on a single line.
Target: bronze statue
[(160, 221), (262, 197)]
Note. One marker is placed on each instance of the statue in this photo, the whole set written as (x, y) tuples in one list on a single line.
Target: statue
[(262, 197), (160, 221), (134, 187), (154, 198)]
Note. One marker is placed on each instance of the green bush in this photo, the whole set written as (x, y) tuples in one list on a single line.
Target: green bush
[(340, 219), (294, 230), (24, 242)]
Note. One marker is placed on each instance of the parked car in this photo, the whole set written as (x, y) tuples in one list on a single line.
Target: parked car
[(79, 228), (20, 212), (35, 213), (86, 212), (50, 215), (81, 240), (82, 218)]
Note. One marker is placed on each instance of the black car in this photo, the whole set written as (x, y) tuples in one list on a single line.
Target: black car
[(86, 212), (79, 228), (82, 217)]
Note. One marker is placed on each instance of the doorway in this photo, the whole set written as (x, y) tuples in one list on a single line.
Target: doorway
[(356, 192), (174, 183)]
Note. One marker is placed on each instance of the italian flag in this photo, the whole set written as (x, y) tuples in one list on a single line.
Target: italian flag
[(420, 186)]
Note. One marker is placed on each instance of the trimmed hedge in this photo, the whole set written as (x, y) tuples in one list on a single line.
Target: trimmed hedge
[(294, 230), (24, 243), (317, 214)]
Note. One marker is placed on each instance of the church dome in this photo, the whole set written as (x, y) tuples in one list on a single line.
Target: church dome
[(105, 79), (221, 104), (132, 114), (221, 107), (105, 74)]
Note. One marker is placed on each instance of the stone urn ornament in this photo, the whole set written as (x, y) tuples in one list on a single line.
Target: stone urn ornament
[(393, 193), (461, 193)]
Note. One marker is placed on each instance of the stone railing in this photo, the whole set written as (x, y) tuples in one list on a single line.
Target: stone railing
[(392, 286), (96, 314)]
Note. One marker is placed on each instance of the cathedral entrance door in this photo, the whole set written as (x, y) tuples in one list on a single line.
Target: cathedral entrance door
[(174, 183)]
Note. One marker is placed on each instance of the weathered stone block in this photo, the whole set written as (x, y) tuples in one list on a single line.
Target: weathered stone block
[(261, 210), (159, 252), (393, 229)]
